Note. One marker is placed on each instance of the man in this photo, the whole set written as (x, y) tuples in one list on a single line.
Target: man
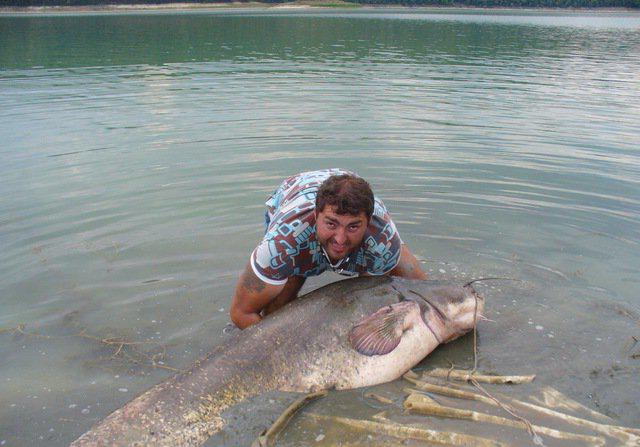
[(317, 221)]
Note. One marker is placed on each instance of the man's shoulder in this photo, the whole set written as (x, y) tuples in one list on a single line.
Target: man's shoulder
[(382, 242), (287, 250), (294, 222), (381, 225)]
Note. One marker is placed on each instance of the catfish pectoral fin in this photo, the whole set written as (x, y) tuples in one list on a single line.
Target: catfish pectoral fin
[(381, 332)]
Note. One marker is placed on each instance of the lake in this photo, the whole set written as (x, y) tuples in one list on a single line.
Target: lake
[(137, 150)]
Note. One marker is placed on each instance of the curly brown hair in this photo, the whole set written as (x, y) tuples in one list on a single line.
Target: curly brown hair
[(349, 193)]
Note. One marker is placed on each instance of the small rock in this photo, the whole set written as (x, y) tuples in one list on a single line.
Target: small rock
[(123, 390), (539, 328), (320, 437), (85, 411)]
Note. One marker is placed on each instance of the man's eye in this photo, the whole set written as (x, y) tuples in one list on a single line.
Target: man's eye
[(354, 227), (331, 225)]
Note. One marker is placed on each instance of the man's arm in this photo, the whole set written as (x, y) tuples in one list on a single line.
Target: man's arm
[(251, 296), (408, 266)]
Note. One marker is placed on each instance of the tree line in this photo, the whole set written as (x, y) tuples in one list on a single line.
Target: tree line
[(476, 3)]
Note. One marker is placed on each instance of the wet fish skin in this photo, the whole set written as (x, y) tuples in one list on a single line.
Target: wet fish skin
[(303, 347)]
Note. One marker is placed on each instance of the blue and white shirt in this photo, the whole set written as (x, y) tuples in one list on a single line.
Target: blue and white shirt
[(290, 247)]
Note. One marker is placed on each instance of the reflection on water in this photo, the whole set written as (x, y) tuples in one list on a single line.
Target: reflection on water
[(137, 150)]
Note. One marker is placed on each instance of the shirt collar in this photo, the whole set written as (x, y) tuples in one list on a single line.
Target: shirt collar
[(337, 264)]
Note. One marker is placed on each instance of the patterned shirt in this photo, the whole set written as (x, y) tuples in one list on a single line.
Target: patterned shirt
[(290, 246)]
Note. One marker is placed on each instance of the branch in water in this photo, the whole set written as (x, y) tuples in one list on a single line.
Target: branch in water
[(404, 432), (468, 376), (268, 437), (417, 404)]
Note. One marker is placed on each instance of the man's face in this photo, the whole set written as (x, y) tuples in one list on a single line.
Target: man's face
[(339, 234)]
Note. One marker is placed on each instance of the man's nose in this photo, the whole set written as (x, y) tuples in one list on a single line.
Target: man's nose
[(340, 236)]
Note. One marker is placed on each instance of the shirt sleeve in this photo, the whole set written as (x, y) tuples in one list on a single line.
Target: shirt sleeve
[(383, 244), (270, 264), (383, 257)]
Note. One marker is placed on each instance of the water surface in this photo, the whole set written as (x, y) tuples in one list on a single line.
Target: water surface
[(137, 151)]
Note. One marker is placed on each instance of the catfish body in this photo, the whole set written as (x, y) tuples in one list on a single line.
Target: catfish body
[(349, 334)]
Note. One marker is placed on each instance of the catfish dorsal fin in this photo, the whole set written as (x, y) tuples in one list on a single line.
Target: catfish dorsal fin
[(380, 332)]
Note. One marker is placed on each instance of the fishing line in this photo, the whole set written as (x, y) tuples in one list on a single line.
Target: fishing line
[(492, 277), (536, 438)]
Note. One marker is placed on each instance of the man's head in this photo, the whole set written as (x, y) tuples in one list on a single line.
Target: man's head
[(344, 205)]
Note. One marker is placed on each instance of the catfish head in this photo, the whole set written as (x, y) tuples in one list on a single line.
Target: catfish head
[(449, 309)]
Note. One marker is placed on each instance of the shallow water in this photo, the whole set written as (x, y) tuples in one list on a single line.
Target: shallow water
[(137, 150)]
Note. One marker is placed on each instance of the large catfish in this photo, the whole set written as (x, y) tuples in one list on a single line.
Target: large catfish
[(349, 334)]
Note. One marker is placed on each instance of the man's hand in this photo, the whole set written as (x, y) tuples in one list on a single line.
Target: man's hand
[(408, 267), (252, 295)]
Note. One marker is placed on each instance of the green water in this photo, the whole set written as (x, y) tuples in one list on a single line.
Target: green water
[(137, 150)]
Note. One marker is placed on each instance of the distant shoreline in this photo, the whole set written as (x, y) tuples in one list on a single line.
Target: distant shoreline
[(302, 5)]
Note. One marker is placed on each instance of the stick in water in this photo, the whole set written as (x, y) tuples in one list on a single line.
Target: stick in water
[(553, 398), (624, 434), (267, 437), (466, 376), (627, 435), (404, 432), (420, 406), (379, 398), (450, 392)]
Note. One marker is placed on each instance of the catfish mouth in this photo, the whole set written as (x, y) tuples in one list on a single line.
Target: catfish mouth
[(473, 303), (468, 312)]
